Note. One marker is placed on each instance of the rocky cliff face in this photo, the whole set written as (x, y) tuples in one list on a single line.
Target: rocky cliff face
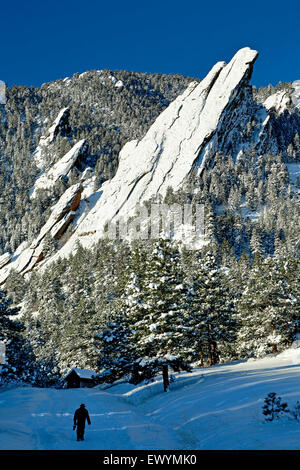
[(60, 124), (61, 169), (62, 214), (192, 128), (219, 114)]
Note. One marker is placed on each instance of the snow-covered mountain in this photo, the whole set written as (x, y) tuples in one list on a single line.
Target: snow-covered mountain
[(217, 114), (85, 151)]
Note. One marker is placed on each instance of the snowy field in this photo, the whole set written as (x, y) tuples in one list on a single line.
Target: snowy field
[(212, 408)]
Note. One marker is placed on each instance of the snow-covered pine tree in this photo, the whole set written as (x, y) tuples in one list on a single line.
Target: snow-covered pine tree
[(210, 323), (43, 318), (211, 229), (44, 369), (49, 245), (76, 346), (155, 309), (15, 286), (268, 310), (122, 291), (17, 350), (256, 243), (114, 359)]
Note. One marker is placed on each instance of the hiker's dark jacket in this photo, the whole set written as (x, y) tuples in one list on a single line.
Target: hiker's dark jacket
[(80, 416)]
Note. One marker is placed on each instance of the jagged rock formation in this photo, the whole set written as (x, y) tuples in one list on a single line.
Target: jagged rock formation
[(61, 216), (60, 121), (62, 168), (5, 259), (219, 114), (279, 102), (59, 124), (182, 137)]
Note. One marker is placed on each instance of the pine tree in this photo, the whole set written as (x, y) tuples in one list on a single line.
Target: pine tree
[(268, 310), (273, 407), (17, 350), (256, 243), (15, 286), (116, 344), (159, 331), (153, 312), (211, 327), (115, 359), (45, 371)]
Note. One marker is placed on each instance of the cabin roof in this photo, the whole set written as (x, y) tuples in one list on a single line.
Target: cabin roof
[(82, 373)]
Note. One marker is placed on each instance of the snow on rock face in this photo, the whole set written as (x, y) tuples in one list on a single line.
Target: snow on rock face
[(195, 125), (117, 83), (278, 101), (60, 227), (4, 259), (217, 114), (296, 94), (86, 174), (47, 139), (62, 167), (69, 201), (175, 142), (63, 212), (59, 121)]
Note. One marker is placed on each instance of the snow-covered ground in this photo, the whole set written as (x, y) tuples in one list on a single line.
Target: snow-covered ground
[(212, 408)]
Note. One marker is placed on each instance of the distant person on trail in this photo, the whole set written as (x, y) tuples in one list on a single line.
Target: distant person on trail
[(80, 416)]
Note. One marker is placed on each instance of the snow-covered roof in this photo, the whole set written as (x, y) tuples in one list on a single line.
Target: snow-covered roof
[(82, 373)]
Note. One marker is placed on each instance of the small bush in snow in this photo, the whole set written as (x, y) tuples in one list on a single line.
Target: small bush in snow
[(273, 408), (295, 412)]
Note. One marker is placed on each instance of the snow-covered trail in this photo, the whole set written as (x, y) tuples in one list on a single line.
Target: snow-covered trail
[(32, 418), (212, 408), (225, 410)]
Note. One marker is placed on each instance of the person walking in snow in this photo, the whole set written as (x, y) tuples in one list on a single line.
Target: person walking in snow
[(81, 415)]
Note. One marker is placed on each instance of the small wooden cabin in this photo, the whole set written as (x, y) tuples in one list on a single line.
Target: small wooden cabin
[(79, 378)]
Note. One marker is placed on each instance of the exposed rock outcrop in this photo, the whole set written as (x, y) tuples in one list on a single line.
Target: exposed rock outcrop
[(279, 101), (60, 168), (61, 122), (217, 114), (5, 259), (61, 216), (182, 137)]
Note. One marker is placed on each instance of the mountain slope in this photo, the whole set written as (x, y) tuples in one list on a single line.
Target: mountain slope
[(217, 115), (38, 126)]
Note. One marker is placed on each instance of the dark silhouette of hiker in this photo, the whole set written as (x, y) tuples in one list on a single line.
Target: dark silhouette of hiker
[(80, 416)]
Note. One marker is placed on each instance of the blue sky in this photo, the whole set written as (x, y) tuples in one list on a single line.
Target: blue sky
[(47, 40)]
